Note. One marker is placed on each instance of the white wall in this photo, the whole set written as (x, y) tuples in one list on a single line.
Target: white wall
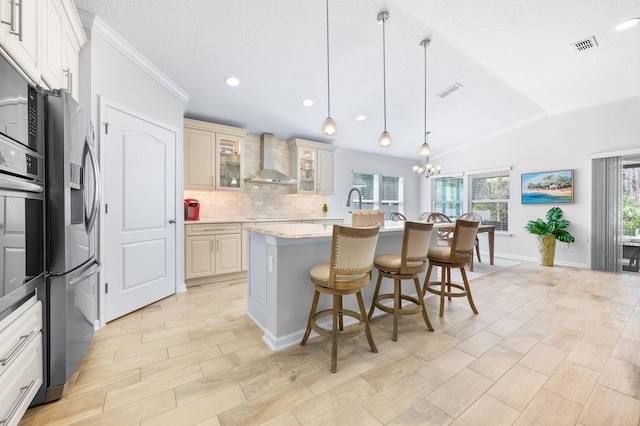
[(110, 68), (118, 78), (346, 161), (559, 142)]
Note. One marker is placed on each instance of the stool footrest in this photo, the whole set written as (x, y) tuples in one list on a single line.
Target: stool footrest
[(414, 308)]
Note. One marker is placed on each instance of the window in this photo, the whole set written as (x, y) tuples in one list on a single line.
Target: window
[(489, 197), (448, 196), (631, 200), (379, 192)]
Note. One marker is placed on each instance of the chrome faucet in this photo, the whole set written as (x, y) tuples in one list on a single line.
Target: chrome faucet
[(359, 198)]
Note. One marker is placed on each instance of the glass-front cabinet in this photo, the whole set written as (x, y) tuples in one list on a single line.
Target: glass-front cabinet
[(312, 165), (229, 153), (306, 170), (213, 156)]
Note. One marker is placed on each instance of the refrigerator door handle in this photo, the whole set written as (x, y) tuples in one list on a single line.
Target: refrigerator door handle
[(97, 192), (84, 275)]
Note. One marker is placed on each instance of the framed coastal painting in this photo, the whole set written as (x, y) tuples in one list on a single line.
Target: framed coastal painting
[(547, 187)]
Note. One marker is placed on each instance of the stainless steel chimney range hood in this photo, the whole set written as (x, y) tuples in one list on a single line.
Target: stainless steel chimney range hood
[(267, 172)]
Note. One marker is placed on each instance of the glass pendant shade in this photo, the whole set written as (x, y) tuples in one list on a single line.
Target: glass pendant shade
[(329, 127), (425, 150), (385, 139)]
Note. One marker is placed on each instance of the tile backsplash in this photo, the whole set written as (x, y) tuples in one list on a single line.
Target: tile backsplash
[(259, 200)]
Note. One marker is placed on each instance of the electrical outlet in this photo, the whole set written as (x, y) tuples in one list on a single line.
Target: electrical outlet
[(564, 246)]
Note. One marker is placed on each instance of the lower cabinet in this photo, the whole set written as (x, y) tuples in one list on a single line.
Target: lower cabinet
[(219, 249), (21, 357), (213, 249)]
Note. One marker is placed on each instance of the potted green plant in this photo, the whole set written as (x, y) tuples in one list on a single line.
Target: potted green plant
[(548, 232)]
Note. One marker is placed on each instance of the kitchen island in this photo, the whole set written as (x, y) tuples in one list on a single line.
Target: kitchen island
[(280, 292)]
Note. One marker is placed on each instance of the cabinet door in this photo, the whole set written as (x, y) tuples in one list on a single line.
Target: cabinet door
[(21, 32), (70, 65), (307, 169), (228, 253), (199, 256), (53, 43), (199, 159), (229, 162), (325, 172)]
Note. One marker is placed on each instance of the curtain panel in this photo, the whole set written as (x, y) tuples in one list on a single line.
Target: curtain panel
[(606, 225)]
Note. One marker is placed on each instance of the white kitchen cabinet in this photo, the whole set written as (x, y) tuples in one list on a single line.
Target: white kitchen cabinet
[(21, 372), (43, 38), (312, 165), (212, 249), (61, 44), (19, 34), (213, 156)]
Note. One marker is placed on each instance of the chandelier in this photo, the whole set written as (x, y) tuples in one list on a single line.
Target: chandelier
[(427, 170)]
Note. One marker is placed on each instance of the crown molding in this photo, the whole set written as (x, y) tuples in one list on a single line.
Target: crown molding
[(97, 25)]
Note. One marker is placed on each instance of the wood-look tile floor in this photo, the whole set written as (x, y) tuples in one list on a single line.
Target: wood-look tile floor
[(550, 346)]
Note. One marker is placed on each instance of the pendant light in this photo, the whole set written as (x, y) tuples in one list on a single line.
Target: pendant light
[(385, 137), (425, 150), (329, 127)]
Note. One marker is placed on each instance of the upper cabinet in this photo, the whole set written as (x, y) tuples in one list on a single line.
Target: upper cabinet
[(213, 156), (43, 38), (311, 163), (61, 44), (20, 34)]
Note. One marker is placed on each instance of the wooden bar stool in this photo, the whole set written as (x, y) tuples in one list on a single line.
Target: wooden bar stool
[(352, 252), (456, 256), (404, 266)]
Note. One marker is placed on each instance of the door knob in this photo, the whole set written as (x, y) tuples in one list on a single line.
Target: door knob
[(172, 221)]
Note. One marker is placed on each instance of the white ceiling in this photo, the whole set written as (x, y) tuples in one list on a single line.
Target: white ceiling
[(512, 57)]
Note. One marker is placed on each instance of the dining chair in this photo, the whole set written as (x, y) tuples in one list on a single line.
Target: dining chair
[(423, 216), (406, 265), (455, 256), (444, 235), (348, 271), (476, 218), (397, 216)]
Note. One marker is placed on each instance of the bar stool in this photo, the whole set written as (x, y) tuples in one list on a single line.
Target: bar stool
[(349, 270), (444, 234), (476, 218), (404, 266), (456, 256)]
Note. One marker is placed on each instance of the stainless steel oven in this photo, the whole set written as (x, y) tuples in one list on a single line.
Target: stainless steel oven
[(21, 223)]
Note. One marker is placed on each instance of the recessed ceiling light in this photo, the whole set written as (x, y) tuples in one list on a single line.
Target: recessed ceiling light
[(627, 24), (232, 81), (307, 102), (361, 118)]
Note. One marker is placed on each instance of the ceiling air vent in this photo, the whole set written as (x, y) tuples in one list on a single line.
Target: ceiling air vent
[(582, 45), (449, 90)]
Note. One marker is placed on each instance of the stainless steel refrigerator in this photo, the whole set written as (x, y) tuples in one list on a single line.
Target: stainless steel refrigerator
[(72, 203)]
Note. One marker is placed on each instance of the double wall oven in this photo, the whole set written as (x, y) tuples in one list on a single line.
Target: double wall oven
[(22, 190)]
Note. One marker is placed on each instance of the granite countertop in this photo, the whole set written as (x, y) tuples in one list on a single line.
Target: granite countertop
[(254, 220), (307, 230)]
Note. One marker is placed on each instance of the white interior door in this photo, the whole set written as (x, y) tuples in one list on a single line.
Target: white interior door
[(139, 196)]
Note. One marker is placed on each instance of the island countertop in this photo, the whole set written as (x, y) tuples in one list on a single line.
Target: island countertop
[(307, 230)]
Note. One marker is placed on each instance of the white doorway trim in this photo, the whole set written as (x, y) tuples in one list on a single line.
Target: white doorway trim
[(103, 104)]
